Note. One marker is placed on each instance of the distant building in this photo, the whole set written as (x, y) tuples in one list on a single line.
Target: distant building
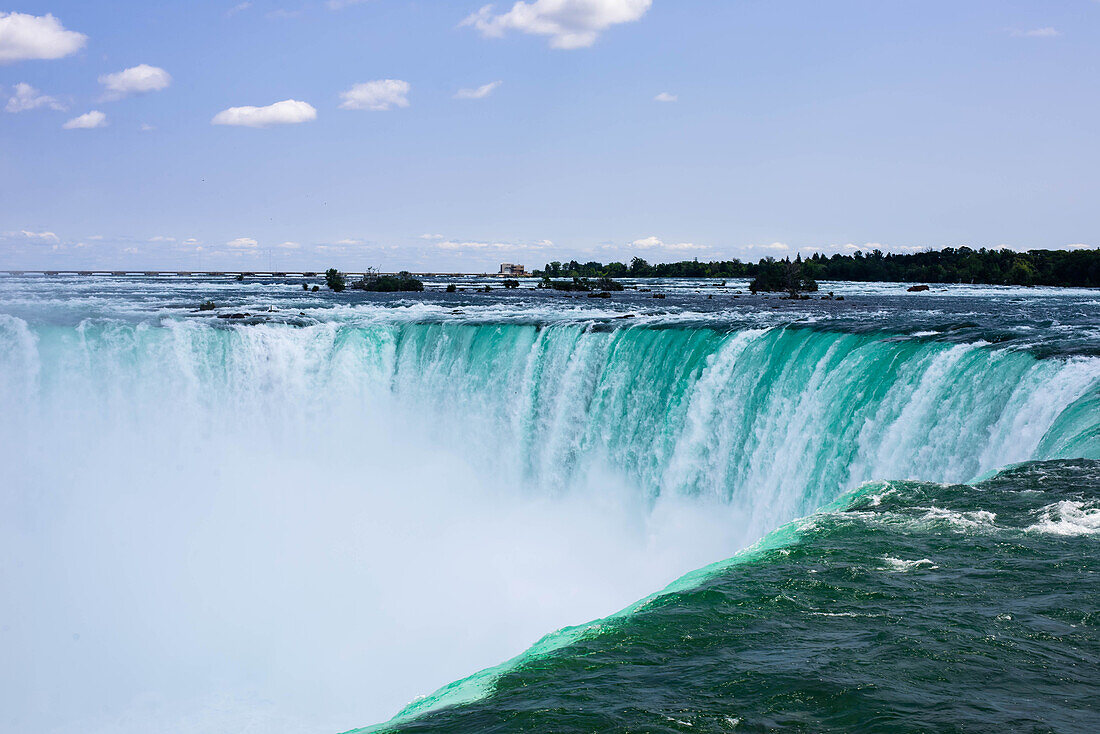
[(512, 269)]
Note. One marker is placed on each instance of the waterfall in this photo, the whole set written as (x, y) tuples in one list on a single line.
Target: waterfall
[(424, 499)]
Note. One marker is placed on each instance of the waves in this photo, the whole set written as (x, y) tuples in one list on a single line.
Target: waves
[(454, 486), (907, 606)]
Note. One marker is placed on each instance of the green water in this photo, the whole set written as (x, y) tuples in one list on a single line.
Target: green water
[(908, 607), (365, 497)]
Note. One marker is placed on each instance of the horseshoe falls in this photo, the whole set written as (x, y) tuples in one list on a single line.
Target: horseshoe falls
[(521, 512)]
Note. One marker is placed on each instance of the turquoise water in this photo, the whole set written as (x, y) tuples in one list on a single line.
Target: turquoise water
[(304, 519), (908, 607)]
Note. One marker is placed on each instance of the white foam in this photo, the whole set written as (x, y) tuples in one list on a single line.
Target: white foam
[(969, 520), (1068, 517), (899, 564)]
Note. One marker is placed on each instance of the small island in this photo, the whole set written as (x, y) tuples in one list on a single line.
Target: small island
[(374, 282)]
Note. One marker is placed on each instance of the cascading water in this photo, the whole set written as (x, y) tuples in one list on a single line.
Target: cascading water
[(684, 412), (360, 512)]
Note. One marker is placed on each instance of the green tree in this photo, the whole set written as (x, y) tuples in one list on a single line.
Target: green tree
[(335, 279), (1022, 272)]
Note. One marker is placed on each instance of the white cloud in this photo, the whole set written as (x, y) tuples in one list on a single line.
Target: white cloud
[(432, 237), (24, 37), (479, 92), (341, 4), (238, 8), (135, 80), (665, 97), (379, 95), (782, 248), (46, 236), (1046, 32), (569, 23), (656, 243), (162, 238), (776, 246), (348, 241), (146, 127), (852, 247), (87, 121), (289, 111), (243, 243), (288, 245), (497, 246), (27, 97)]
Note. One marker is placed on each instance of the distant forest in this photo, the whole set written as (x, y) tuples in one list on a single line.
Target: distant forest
[(951, 265)]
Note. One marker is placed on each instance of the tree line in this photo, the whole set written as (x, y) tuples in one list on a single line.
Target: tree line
[(1079, 268)]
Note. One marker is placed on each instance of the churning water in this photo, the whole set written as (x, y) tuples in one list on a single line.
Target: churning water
[(303, 519)]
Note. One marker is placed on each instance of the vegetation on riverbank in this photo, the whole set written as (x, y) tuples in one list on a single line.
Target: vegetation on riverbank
[(951, 265)]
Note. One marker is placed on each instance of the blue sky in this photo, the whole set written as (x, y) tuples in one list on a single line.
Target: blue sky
[(784, 126)]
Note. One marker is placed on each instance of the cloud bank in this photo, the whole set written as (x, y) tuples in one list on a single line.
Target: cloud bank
[(476, 246), (649, 243)]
